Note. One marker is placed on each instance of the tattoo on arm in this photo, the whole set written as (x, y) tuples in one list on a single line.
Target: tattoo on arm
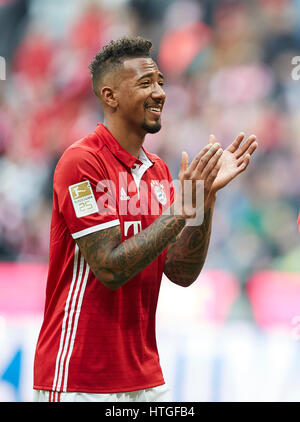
[(187, 252), (114, 263)]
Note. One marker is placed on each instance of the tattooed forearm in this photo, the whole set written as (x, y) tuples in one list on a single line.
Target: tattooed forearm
[(187, 253), (114, 263)]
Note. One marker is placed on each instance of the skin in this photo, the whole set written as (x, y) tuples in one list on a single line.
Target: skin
[(126, 95), (187, 252)]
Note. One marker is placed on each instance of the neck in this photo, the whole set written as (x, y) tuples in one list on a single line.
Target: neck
[(129, 140)]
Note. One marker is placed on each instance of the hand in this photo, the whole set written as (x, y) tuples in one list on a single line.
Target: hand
[(204, 168), (234, 160)]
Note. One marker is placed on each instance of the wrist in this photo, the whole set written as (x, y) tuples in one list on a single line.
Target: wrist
[(210, 200), (175, 210)]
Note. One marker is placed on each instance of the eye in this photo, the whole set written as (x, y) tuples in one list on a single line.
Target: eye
[(145, 82), (161, 83)]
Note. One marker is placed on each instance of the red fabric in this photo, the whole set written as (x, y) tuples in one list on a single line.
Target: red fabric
[(93, 339), (179, 47), (34, 57), (88, 32)]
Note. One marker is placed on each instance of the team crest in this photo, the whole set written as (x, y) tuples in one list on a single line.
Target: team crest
[(159, 191)]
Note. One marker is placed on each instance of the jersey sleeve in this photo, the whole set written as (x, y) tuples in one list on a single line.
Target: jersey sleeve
[(85, 195)]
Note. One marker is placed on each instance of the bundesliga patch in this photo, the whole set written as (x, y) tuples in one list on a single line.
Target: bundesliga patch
[(83, 199)]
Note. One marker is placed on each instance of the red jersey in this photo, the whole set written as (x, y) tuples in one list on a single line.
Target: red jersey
[(93, 339)]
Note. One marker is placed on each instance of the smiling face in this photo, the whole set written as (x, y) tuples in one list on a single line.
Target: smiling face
[(140, 96)]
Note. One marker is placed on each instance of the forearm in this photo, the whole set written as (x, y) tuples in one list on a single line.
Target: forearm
[(186, 254), (119, 262), (133, 255)]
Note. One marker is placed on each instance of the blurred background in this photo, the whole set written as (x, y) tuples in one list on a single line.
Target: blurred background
[(234, 335)]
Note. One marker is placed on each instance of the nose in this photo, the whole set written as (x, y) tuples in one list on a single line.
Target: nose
[(158, 92)]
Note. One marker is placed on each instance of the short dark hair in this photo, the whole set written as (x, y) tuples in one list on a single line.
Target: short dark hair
[(113, 55)]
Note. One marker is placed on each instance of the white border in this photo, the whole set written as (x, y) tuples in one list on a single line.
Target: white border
[(96, 228)]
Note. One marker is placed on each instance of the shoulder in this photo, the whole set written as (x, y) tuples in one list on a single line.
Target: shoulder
[(83, 156), (84, 148), (88, 148)]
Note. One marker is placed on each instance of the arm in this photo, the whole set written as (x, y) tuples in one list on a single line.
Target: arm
[(114, 263), (187, 252)]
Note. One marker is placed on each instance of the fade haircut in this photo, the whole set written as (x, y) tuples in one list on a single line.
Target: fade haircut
[(114, 54)]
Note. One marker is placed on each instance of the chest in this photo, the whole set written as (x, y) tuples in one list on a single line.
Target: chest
[(139, 195)]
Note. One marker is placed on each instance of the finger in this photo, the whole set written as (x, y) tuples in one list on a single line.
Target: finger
[(206, 157), (243, 149), (236, 143), (184, 161), (212, 163), (198, 157), (212, 175), (249, 151), (212, 139), (244, 163)]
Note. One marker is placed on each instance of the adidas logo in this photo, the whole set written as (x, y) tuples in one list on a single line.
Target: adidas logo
[(123, 195)]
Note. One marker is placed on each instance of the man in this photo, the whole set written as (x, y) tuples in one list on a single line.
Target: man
[(116, 227)]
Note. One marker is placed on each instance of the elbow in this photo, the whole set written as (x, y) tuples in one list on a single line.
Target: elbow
[(183, 275), (182, 281), (185, 283), (109, 279), (113, 281), (111, 287), (188, 278)]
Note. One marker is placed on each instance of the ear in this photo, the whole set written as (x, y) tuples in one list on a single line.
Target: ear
[(109, 97)]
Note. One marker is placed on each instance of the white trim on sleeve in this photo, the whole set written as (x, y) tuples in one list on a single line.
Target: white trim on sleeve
[(93, 229)]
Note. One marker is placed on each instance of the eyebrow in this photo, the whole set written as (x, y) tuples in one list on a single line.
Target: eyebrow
[(149, 75)]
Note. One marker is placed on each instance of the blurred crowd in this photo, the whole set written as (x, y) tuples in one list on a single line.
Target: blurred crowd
[(228, 68)]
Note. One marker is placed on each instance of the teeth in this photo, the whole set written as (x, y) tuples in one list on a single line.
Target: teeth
[(154, 109)]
